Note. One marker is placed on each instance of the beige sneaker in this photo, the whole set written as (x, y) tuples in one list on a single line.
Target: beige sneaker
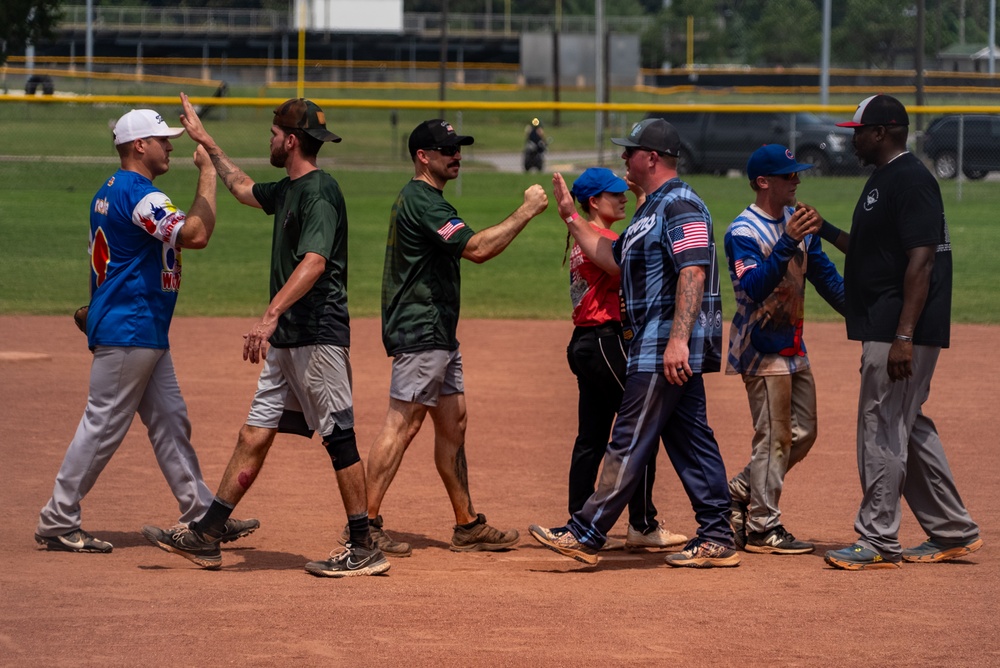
[(483, 537), (659, 538), (613, 544)]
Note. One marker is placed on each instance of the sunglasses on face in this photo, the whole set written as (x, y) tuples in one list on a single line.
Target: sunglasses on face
[(786, 177), (448, 151)]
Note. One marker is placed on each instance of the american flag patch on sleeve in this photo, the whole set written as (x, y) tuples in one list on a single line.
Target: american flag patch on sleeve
[(449, 228), (687, 236), (743, 267)]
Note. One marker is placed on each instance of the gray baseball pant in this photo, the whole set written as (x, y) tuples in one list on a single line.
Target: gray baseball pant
[(900, 455), (124, 381)]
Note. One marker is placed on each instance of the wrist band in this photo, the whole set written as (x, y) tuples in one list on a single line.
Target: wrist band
[(829, 232), (901, 337), (572, 218)]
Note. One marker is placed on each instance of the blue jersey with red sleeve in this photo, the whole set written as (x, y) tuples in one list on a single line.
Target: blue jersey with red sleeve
[(135, 265)]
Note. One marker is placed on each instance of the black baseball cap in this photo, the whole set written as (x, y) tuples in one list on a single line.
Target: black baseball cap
[(435, 133), (878, 110), (652, 134), (305, 115)]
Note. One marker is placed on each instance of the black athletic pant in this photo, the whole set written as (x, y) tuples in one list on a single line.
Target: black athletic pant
[(597, 357)]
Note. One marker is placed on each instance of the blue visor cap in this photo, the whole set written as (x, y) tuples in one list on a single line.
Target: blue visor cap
[(594, 181), (773, 159)]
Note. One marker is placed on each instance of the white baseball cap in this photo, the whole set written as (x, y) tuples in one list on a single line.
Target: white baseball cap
[(142, 123)]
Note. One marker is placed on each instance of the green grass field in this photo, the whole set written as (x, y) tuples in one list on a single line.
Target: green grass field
[(44, 228)]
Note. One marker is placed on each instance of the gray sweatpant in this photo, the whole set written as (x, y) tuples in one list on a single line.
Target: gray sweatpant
[(900, 455), (124, 381)]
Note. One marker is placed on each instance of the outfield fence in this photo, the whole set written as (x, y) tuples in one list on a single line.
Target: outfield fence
[(959, 143)]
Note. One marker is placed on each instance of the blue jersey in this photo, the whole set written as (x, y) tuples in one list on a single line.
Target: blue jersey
[(768, 269), (671, 230), (134, 262)]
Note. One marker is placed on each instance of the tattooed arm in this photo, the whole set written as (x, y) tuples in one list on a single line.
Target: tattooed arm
[(234, 178), (690, 290)]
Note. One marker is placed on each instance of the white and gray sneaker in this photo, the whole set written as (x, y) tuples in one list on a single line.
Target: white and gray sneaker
[(76, 540), (659, 538), (351, 561)]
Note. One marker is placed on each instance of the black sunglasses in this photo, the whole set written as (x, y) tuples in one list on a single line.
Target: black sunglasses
[(788, 177), (445, 150)]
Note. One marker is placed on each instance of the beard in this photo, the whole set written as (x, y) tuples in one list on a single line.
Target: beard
[(279, 156)]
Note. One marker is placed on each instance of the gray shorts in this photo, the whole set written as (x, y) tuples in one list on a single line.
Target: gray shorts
[(422, 377), (304, 389)]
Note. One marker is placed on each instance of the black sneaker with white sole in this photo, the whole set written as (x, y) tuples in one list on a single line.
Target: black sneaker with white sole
[(236, 529), (776, 541), (353, 560), (77, 540), (187, 543)]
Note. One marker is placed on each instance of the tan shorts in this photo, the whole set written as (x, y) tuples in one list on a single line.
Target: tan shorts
[(308, 386)]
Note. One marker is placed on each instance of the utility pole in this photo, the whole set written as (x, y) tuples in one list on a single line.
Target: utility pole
[(443, 59), (599, 76), (555, 61)]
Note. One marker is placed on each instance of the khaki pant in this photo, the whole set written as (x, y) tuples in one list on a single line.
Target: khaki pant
[(783, 409)]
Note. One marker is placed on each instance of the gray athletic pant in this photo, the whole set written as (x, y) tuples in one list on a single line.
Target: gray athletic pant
[(124, 381), (783, 409), (900, 455)]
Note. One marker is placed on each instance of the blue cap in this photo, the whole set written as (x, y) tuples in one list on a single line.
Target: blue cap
[(773, 159), (594, 181)]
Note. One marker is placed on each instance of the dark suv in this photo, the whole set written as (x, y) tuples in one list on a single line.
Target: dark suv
[(718, 142), (980, 145)]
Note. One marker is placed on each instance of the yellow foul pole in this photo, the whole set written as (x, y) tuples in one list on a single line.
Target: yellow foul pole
[(690, 41)]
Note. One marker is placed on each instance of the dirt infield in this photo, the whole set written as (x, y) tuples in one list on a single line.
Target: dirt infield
[(529, 606)]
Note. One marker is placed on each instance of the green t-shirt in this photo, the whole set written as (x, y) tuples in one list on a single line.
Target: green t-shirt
[(421, 283), (309, 217)]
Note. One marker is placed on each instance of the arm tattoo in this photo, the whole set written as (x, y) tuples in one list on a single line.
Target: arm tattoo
[(231, 175), (690, 286)]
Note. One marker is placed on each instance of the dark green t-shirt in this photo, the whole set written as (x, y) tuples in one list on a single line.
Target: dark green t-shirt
[(421, 283), (309, 217)]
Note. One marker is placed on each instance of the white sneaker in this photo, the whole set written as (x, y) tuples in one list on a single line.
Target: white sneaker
[(659, 538)]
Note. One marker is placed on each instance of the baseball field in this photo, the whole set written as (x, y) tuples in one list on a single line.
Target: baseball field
[(525, 607)]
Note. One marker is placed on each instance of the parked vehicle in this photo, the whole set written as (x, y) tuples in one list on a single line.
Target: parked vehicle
[(717, 142), (980, 145)]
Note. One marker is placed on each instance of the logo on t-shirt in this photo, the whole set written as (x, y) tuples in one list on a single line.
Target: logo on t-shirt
[(871, 199)]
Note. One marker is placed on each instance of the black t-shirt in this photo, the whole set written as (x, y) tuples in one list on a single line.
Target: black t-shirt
[(310, 216), (899, 209)]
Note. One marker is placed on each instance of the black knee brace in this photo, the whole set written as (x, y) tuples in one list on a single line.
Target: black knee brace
[(342, 447)]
